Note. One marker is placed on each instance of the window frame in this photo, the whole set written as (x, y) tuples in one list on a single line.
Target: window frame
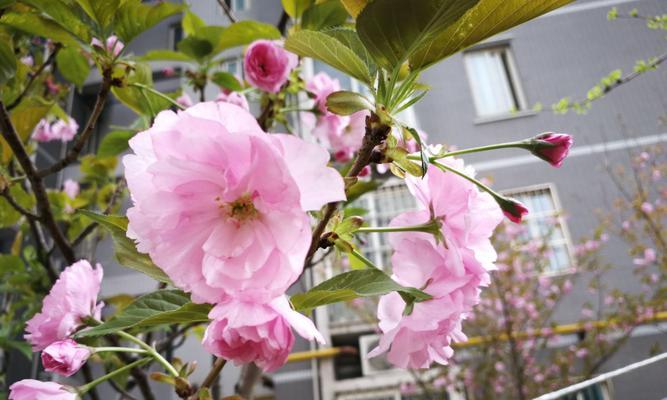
[(514, 80)]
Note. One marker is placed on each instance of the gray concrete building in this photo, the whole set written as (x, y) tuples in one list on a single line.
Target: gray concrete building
[(481, 96)]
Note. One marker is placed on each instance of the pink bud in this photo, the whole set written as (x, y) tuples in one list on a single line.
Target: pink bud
[(513, 209), (65, 357), (71, 188), (552, 147)]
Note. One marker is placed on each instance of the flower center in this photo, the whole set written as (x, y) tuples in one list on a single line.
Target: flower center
[(241, 209)]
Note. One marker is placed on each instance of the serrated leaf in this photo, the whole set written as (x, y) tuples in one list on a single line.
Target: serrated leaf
[(164, 55), (354, 7), (324, 15), (133, 17), (226, 80), (191, 23), (39, 26), (294, 8), (157, 308), (330, 50), (351, 285), (347, 103), (245, 32), (114, 143), (101, 11), (65, 16), (124, 248), (141, 101), (73, 65), (7, 62), (195, 47), (350, 38)]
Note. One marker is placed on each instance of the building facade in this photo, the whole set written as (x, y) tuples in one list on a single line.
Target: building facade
[(481, 96)]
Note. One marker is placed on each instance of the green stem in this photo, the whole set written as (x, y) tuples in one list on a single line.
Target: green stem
[(520, 144), (151, 351), (157, 93), (469, 178), (363, 259), (88, 386), (427, 228), (119, 349), (295, 109)]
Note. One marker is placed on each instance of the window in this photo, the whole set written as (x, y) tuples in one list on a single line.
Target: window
[(544, 220), (234, 66), (494, 81), (175, 35), (238, 5), (600, 391)]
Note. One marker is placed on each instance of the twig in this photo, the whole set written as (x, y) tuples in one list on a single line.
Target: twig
[(34, 76), (43, 206), (137, 373), (112, 202), (218, 365), (228, 11), (282, 23), (125, 395), (74, 152), (5, 193)]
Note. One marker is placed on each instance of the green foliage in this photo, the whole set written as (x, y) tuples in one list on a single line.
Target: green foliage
[(114, 143), (39, 26), (330, 50), (66, 16), (347, 103), (166, 55), (352, 285), (8, 215), (7, 61), (124, 248), (294, 8), (324, 14), (102, 12), (141, 101), (195, 48), (191, 23), (226, 80), (350, 39), (73, 65), (158, 308), (133, 17), (354, 7)]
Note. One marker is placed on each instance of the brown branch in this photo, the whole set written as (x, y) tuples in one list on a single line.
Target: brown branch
[(42, 251), (74, 152), (34, 76), (228, 11), (12, 202), (282, 23), (250, 375), (43, 206), (212, 376)]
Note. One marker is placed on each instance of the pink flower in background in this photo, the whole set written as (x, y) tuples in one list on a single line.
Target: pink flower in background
[(267, 65), (71, 188), (552, 147), (30, 389), (235, 98), (168, 72), (260, 333), (648, 258), (65, 357), (42, 132), (72, 298), (28, 61), (112, 45), (184, 100), (64, 130), (647, 207), (221, 206), (321, 86), (347, 140)]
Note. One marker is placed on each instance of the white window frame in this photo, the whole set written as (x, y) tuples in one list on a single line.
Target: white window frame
[(233, 8), (514, 81), (558, 213), (224, 65)]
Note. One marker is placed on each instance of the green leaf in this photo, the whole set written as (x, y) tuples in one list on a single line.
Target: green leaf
[(422, 148), (133, 17), (393, 30), (7, 62), (191, 23), (226, 80), (354, 7), (351, 285), (350, 39), (39, 26), (360, 188), (165, 55), (294, 8), (347, 103), (114, 143), (124, 247), (8, 215), (195, 47), (157, 308), (245, 32), (65, 16), (141, 101), (330, 50), (324, 15), (101, 11), (73, 65), (23, 347)]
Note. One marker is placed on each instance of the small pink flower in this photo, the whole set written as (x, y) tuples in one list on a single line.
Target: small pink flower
[(113, 45), (321, 86), (626, 225), (238, 99), (30, 389), (649, 258), (647, 207), (168, 72), (71, 188), (65, 357), (28, 61), (656, 175), (267, 65), (184, 100), (72, 298), (252, 332), (552, 147), (65, 130), (581, 353), (42, 132)]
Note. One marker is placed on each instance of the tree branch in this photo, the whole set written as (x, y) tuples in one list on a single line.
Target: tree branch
[(112, 201), (228, 11), (43, 206), (27, 213), (212, 376), (34, 76), (74, 152)]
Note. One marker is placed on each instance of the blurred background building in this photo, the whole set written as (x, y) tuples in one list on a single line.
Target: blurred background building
[(486, 94)]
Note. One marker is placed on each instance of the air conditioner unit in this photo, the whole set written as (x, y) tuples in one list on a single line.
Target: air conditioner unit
[(375, 365)]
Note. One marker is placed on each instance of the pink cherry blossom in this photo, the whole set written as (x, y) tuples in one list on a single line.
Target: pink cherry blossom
[(247, 332), (234, 98), (28, 61), (267, 65), (552, 147), (184, 100), (649, 257), (42, 132), (112, 45), (346, 139), (72, 298), (65, 357), (221, 206), (71, 188), (64, 130), (321, 86), (168, 72), (647, 207), (30, 389)]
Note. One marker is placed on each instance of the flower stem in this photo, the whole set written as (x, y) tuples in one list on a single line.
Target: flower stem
[(157, 93), (88, 386), (151, 351), (363, 259), (427, 228), (469, 178), (119, 349), (520, 144)]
